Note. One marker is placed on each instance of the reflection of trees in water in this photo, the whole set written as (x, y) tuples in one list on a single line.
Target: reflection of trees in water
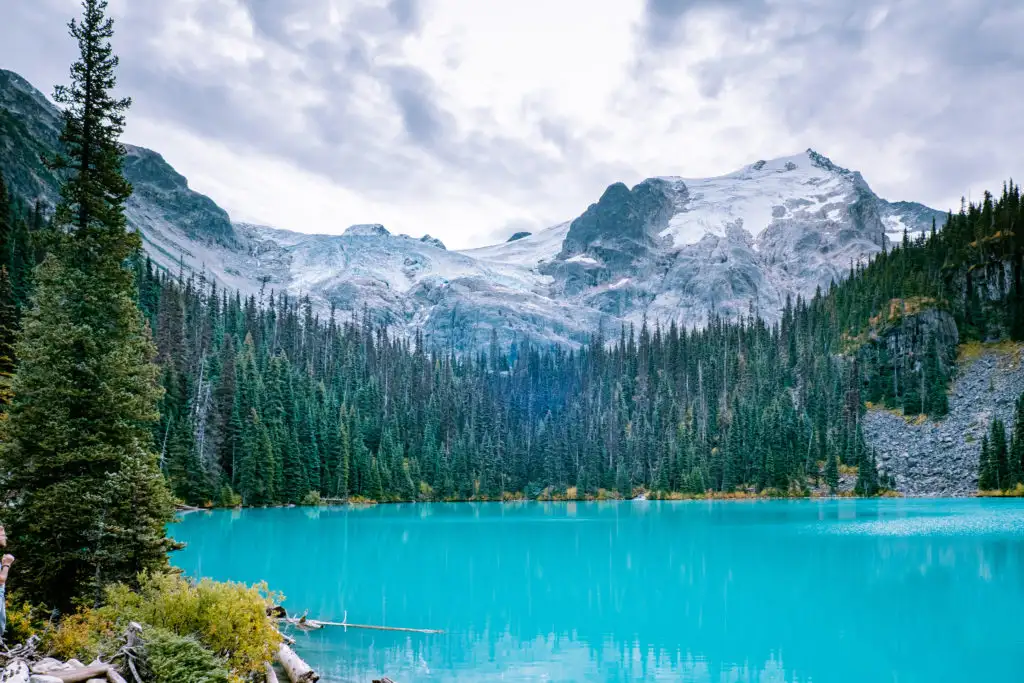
[(536, 660), (734, 591)]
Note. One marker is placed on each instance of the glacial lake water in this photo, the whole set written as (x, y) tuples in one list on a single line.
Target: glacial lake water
[(848, 591)]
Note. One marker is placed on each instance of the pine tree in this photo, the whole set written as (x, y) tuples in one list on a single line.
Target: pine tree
[(999, 454), (78, 454), (832, 472), (375, 488), (8, 336), (1017, 442), (987, 480)]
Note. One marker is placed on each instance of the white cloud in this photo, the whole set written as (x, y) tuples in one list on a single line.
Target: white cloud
[(461, 118)]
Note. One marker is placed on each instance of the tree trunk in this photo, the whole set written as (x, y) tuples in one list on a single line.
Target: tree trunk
[(298, 671), (81, 675)]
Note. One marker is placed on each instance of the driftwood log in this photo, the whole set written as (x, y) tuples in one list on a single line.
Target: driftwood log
[(114, 677), (271, 674), (298, 671), (315, 624), (83, 674)]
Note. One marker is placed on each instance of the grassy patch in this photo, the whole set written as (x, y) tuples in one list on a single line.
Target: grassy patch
[(1017, 492), (1007, 350)]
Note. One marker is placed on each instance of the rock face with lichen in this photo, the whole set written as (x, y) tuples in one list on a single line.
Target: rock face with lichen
[(940, 458)]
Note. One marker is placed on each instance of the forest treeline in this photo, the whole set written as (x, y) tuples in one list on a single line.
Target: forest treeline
[(268, 402)]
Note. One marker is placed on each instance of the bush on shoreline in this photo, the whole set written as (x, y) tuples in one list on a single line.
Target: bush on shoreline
[(186, 624)]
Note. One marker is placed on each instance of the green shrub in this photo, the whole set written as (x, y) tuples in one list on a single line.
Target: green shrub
[(228, 498), (312, 498), (170, 658), (23, 619), (85, 635), (228, 618)]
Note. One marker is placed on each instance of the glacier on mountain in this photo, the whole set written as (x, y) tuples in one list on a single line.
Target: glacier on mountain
[(667, 250)]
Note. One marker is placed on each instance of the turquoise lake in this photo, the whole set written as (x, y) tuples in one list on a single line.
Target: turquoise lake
[(865, 591)]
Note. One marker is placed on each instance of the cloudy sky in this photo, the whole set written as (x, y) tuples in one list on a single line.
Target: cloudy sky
[(470, 119)]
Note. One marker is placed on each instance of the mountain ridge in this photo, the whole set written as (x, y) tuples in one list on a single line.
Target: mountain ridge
[(669, 249)]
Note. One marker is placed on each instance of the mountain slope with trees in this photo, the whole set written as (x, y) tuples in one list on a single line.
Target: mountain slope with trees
[(267, 400)]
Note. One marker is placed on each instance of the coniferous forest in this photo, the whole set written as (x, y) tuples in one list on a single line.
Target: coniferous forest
[(266, 401), (124, 386)]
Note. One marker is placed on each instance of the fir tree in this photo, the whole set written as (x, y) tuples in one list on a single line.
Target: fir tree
[(832, 472), (999, 454), (8, 335), (987, 480), (78, 453)]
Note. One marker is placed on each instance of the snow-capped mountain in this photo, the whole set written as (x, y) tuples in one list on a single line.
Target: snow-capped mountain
[(669, 249)]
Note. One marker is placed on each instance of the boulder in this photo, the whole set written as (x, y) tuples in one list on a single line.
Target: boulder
[(15, 672)]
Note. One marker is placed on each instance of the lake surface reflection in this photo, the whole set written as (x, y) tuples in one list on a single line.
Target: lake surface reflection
[(825, 591)]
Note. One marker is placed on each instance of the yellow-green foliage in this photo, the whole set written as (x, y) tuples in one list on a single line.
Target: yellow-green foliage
[(23, 620), (973, 350), (897, 308), (85, 635), (890, 314), (1017, 492), (229, 618)]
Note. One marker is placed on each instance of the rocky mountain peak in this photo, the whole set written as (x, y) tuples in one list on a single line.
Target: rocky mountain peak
[(367, 230), (434, 242), (667, 249)]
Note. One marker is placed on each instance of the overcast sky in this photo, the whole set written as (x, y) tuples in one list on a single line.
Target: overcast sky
[(470, 119)]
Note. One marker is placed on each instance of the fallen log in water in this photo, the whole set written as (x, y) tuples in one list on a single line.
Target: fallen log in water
[(114, 677), (271, 674), (315, 624), (298, 671), (381, 628)]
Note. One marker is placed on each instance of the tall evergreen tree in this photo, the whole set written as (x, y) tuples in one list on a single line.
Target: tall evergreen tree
[(8, 336), (999, 455), (90, 506), (832, 472), (987, 479)]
